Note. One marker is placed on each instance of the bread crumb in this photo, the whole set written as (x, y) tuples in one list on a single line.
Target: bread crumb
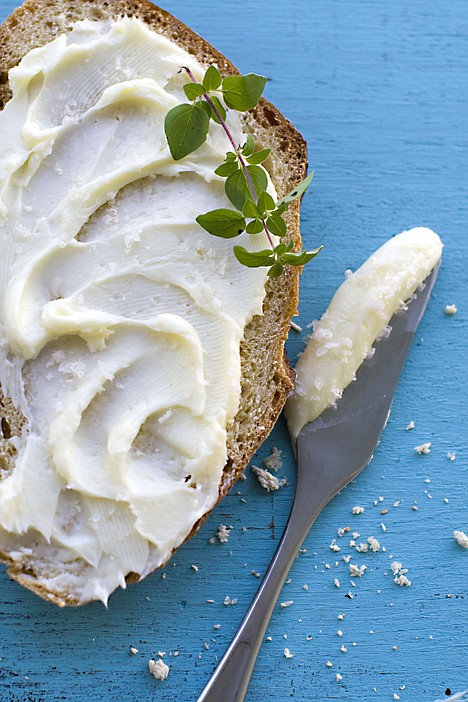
[(295, 326), (334, 547), (402, 580), (305, 586), (357, 510), (410, 426), (266, 479), (341, 617), (357, 571), (158, 669), (133, 650), (450, 310), (227, 601), (423, 449), (461, 538), (395, 696), (255, 574), (338, 677), (339, 632), (287, 653), (374, 545), (343, 649), (394, 648), (336, 582), (400, 574), (273, 461), (161, 654), (217, 626), (286, 604), (329, 664), (268, 638), (451, 455), (223, 533), (194, 567)]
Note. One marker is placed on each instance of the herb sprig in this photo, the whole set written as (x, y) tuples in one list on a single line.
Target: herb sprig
[(186, 127)]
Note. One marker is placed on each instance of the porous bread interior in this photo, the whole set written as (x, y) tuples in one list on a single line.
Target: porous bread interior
[(266, 375)]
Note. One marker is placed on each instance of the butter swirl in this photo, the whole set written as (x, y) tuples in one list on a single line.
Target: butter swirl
[(120, 318)]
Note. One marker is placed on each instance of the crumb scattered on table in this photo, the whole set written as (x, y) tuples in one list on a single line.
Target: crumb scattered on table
[(266, 479), (423, 449), (273, 461), (158, 669), (461, 538), (357, 571), (223, 533)]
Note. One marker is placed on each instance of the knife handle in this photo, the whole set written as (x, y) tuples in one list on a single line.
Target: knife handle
[(231, 678)]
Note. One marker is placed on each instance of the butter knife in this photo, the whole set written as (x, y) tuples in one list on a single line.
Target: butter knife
[(331, 451)]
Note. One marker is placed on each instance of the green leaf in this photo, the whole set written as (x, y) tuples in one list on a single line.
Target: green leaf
[(254, 259), (276, 225), (227, 168), (250, 209), (301, 258), (297, 191), (265, 202), (186, 127), (249, 146), (220, 107), (255, 226), (281, 209), (212, 79), (231, 156), (206, 107), (259, 156), (243, 92), (237, 188), (276, 270), (259, 179), (280, 250), (193, 90), (224, 223)]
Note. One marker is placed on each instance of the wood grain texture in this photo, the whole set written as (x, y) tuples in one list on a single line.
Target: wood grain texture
[(380, 92)]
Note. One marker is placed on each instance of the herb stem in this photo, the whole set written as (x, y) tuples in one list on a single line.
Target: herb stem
[(234, 146)]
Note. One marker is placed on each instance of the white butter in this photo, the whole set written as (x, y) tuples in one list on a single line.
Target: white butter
[(120, 318), (358, 315)]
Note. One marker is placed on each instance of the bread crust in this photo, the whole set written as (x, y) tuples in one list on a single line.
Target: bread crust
[(267, 377)]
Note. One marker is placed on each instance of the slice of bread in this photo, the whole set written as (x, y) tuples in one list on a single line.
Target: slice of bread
[(266, 374)]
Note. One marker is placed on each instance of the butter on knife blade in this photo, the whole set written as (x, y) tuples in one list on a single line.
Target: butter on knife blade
[(357, 316)]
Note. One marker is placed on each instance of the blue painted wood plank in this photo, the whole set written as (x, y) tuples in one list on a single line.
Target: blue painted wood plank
[(380, 92)]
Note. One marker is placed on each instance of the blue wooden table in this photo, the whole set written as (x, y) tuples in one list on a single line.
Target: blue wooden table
[(380, 91)]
